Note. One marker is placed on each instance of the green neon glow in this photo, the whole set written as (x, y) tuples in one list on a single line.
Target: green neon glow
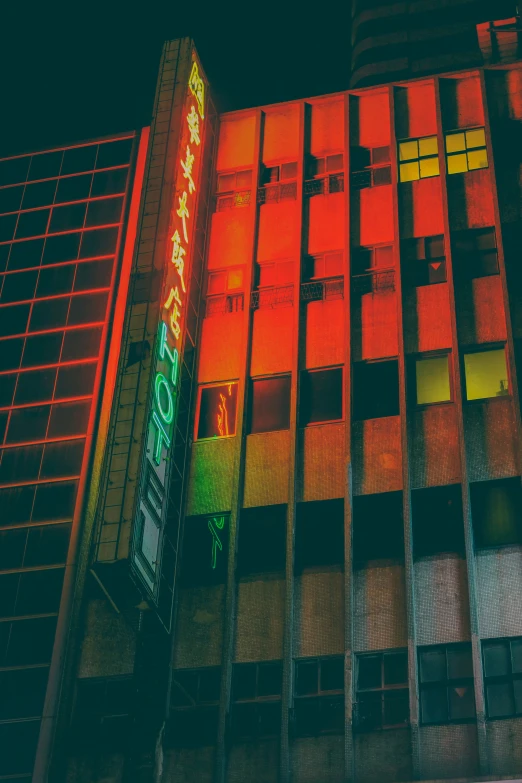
[(172, 355), (219, 523), (160, 438), (158, 383)]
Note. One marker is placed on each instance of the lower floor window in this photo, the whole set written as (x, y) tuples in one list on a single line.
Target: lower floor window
[(382, 691), (446, 684), (503, 677)]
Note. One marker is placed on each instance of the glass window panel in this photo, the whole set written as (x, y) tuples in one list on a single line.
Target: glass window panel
[(455, 142), (369, 671), (7, 227), (10, 199), (217, 414), (27, 424), (87, 309), (31, 641), (433, 383), (39, 194), (269, 679), (307, 682), (62, 248), (270, 405), (19, 743), (42, 349), (7, 384), (47, 544), (100, 242), (486, 374), (429, 167), (20, 464), (210, 685), (67, 217), (69, 418), (408, 150), (40, 592), (332, 674), (496, 660), (432, 665), (409, 171), (106, 183), (244, 683), (434, 247), (54, 501), (235, 279), (517, 690), (93, 274), (114, 153), (73, 188), (496, 512), (14, 170), (428, 146), (37, 386), (104, 211), (475, 138), (45, 165), (55, 280), (26, 254), (434, 706), (8, 591), (317, 167), (396, 708), (81, 344), (500, 701), (62, 459), (16, 504), (18, 287), (13, 320), (49, 314), (288, 170), (217, 283), (243, 179), (462, 702), (516, 656), (10, 353), (321, 396), (477, 159), (457, 163), (31, 224), (79, 159), (23, 693), (369, 380), (369, 712), (4, 254), (12, 547), (336, 162), (395, 668), (75, 381), (459, 663)]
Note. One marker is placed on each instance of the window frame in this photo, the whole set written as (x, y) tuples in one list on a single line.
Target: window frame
[(198, 409), (418, 158), (484, 348), (413, 387), (464, 131), (302, 381), (250, 401), (277, 164), (412, 265), (501, 679), (257, 701), (319, 696), (382, 690), (446, 683)]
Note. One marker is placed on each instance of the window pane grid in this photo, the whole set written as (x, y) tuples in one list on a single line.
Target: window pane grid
[(503, 678), (446, 697), (466, 151), (418, 159)]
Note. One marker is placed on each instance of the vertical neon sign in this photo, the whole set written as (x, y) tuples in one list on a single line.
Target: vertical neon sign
[(163, 406)]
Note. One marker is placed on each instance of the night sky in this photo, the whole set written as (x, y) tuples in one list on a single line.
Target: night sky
[(75, 71)]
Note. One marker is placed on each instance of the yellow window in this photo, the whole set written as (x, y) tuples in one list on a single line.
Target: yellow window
[(486, 374), (429, 167), (455, 142), (409, 171), (428, 146), (408, 150), (475, 138), (477, 159), (433, 383), (235, 279), (457, 163)]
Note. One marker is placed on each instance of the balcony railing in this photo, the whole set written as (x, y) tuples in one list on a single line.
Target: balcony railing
[(240, 198), (373, 282), (323, 289), (226, 303), (272, 297), (333, 183), (271, 194)]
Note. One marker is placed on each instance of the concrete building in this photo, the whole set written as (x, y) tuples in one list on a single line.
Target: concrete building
[(296, 547)]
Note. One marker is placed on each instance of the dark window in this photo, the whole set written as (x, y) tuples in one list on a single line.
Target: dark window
[(4, 254), (39, 592), (40, 194), (62, 459), (217, 411), (382, 691), (75, 381), (62, 248), (49, 314), (18, 742), (114, 153), (106, 183), (73, 188), (7, 227), (319, 696), (321, 396), (31, 224), (45, 165), (424, 260), (256, 700), (370, 167), (26, 254), (54, 501), (79, 159), (8, 593), (10, 199), (270, 404), (103, 212), (81, 344), (475, 252), (437, 520), (446, 684), (28, 424), (21, 464), (14, 170), (11, 353), (375, 389), (47, 544), (205, 550), (89, 308), (503, 677), (378, 530), (55, 280), (12, 548), (93, 274), (69, 418), (319, 534), (18, 287), (23, 693), (42, 349), (7, 384), (16, 504), (372, 259), (194, 707), (262, 540), (30, 642), (496, 508), (102, 711), (68, 217), (100, 242)]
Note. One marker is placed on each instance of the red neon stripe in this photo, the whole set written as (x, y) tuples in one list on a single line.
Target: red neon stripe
[(72, 362)]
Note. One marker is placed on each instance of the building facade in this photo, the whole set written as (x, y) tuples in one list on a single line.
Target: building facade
[(288, 543)]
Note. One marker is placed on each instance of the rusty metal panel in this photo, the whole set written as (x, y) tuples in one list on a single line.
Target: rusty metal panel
[(210, 479), (266, 468), (470, 200), (325, 329), (260, 620), (435, 458), (184, 765), (253, 761), (281, 133), (421, 208), (219, 348), (327, 126), (448, 751), (199, 632), (236, 142), (383, 756), (318, 614), (441, 600), (377, 456), (480, 311), (318, 759), (379, 608), (427, 324), (229, 238), (374, 326), (278, 231), (499, 592), (490, 432), (272, 340), (323, 466)]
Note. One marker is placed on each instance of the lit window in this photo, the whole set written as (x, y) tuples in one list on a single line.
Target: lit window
[(447, 694), (426, 260), (217, 411), (270, 404), (503, 677), (382, 691), (496, 511), (418, 158), (466, 151), (432, 378), (321, 396), (486, 374), (319, 696)]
